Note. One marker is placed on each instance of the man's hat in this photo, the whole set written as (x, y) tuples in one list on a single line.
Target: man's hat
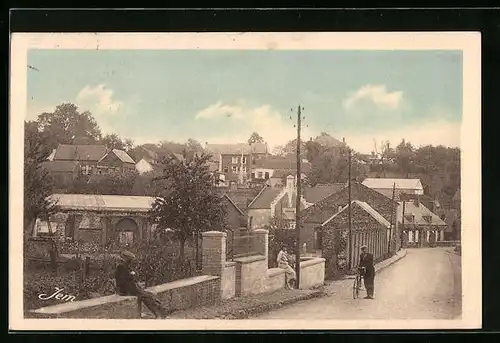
[(127, 255)]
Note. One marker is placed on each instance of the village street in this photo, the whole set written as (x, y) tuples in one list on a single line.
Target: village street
[(426, 284)]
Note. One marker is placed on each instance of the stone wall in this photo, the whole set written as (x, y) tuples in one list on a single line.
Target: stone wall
[(312, 272), (228, 281), (182, 294)]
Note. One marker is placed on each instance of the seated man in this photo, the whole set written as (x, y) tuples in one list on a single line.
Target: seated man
[(283, 263), (126, 285)]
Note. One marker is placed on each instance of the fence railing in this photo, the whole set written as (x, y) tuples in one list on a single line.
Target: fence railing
[(240, 246)]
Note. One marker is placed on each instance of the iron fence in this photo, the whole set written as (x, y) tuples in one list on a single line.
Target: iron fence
[(240, 245)]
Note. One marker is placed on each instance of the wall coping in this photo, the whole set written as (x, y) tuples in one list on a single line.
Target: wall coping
[(249, 259), (275, 271), (230, 264), (311, 262), (260, 231), (110, 299), (213, 234)]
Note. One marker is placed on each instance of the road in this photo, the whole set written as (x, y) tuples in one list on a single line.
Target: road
[(426, 284)]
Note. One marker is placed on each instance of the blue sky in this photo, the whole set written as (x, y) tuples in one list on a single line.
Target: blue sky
[(223, 96)]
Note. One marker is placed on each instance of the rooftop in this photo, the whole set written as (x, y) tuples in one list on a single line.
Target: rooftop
[(123, 156), (319, 192), (80, 152), (367, 208), (96, 202), (388, 183), (264, 199), (419, 212), (60, 166)]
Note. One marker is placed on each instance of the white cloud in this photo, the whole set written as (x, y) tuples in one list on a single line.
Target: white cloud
[(98, 99), (435, 132), (377, 94), (272, 125)]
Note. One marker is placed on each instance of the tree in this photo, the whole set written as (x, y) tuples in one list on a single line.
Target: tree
[(113, 141), (255, 138), (404, 157), (37, 181), (190, 203), (279, 150), (66, 125)]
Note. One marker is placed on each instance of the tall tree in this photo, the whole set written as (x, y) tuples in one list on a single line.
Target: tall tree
[(404, 157), (66, 125), (190, 204), (255, 138), (113, 141), (37, 181)]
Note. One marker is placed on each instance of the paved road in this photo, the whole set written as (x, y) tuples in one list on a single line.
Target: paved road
[(426, 284)]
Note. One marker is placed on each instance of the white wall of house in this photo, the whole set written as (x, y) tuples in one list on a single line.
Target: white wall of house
[(143, 166), (260, 173)]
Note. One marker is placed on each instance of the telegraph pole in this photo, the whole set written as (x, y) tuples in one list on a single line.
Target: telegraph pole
[(297, 204), (349, 211), (392, 219)]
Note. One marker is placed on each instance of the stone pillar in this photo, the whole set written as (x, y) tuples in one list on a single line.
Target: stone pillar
[(442, 235), (261, 242), (214, 252)]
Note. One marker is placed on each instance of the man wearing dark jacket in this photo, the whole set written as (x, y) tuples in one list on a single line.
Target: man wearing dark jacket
[(366, 263), (127, 285)]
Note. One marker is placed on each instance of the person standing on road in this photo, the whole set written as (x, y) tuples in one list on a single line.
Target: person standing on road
[(126, 285), (283, 263), (366, 263)]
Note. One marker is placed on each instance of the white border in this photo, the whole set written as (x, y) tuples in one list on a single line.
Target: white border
[(468, 42)]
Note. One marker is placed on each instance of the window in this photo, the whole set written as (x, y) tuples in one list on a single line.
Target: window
[(226, 170), (234, 169), (259, 175), (86, 169), (244, 168), (235, 160), (266, 176), (253, 175), (244, 160)]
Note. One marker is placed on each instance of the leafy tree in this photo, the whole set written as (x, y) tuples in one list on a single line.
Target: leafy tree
[(190, 204), (113, 141), (404, 157), (255, 138), (279, 150), (66, 125), (37, 181)]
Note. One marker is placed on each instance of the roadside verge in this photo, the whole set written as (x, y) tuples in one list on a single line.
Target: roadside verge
[(242, 308)]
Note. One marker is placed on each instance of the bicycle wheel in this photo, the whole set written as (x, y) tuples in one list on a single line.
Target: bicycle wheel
[(355, 287)]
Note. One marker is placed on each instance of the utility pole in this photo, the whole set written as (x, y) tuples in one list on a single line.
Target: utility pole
[(392, 219), (403, 219), (297, 205), (349, 211)]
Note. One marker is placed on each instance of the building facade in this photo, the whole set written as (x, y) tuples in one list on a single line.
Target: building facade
[(236, 160)]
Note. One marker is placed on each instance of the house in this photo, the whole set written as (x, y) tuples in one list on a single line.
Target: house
[(385, 186), (274, 169), (235, 217), (368, 227), (281, 202), (63, 172), (316, 214), (419, 225), (105, 219), (86, 155), (94, 159), (236, 160), (115, 161)]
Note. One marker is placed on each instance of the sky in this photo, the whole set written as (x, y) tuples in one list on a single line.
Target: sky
[(222, 96)]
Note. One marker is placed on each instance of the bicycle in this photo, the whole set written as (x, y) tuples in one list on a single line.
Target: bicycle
[(357, 285)]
